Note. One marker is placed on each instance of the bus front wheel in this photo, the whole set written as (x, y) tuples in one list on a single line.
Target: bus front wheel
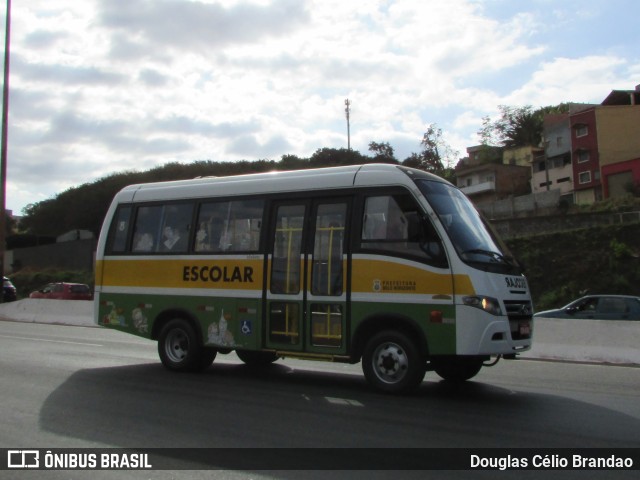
[(180, 350), (392, 362)]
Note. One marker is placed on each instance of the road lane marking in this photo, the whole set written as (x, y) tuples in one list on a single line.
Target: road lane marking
[(52, 341), (344, 401)]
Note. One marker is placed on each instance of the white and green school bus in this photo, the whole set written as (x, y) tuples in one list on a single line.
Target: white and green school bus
[(382, 264)]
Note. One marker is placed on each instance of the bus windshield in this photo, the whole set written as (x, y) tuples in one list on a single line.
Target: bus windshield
[(471, 236)]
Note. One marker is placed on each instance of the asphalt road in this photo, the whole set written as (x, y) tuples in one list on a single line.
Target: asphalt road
[(66, 387)]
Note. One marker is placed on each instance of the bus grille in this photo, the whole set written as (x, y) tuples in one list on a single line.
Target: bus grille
[(519, 312)]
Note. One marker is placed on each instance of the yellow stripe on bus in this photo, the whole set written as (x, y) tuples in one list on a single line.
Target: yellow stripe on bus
[(368, 276), (183, 273), (381, 276)]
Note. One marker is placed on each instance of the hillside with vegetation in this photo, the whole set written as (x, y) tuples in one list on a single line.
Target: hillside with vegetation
[(563, 266), (84, 207)]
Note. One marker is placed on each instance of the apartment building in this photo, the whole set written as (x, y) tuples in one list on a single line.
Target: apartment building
[(552, 169)]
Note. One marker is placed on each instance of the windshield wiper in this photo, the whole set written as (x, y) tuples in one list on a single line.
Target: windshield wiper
[(494, 255)]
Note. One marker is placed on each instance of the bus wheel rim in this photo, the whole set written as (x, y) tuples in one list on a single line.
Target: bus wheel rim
[(177, 346), (390, 362)]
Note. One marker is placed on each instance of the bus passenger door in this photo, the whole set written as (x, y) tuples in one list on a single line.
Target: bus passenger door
[(326, 300), (306, 295), (286, 270)]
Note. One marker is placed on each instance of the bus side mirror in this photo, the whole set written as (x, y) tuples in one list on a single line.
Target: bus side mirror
[(430, 242)]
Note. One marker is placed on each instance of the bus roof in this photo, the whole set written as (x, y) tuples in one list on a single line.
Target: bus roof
[(280, 181)]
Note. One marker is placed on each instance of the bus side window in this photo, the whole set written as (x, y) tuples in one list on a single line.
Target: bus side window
[(229, 226), (117, 242), (162, 228), (395, 224), (176, 228), (147, 229)]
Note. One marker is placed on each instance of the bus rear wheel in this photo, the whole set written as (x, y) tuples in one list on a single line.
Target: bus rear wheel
[(180, 349), (392, 362), (457, 369)]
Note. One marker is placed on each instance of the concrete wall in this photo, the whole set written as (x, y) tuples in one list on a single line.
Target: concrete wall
[(523, 205), (600, 341), (523, 227), (38, 310)]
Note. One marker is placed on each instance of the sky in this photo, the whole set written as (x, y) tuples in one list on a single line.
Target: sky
[(103, 86)]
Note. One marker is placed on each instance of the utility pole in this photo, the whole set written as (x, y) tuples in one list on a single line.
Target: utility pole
[(3, 151), (347, 111)]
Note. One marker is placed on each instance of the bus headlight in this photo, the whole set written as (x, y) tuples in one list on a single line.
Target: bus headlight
[(488, 304)]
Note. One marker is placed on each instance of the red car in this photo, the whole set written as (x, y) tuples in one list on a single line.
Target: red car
[(64, 291)]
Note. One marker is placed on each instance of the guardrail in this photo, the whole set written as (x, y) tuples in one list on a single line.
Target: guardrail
[(62, 312), (600, 341)]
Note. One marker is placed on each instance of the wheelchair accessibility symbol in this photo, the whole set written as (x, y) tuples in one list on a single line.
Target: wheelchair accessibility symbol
[(245, 328)]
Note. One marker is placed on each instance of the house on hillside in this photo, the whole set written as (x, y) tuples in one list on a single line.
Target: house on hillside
[(606, 147), (551, 169), (484, 178), (589, 154), (521, 156), (586, 158), (623, 97), (618, 121)]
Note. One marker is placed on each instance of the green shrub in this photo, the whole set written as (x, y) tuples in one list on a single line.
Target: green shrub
[(620, 250), (563, 266)]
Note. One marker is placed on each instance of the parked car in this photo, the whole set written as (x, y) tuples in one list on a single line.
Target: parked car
[(64, 291), (598, 307), (8, 290)]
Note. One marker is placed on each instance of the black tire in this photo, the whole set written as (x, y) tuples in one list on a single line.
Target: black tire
[(392, 362), (180, 349), (457, 369), (256, 359)]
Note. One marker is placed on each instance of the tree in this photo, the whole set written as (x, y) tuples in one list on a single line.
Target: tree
[(383, 152), (436, 156), (330, 157), (517, 126), (487, 133), (292, 162)]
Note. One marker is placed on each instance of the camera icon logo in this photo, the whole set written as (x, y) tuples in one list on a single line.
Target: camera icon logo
[(23, 459)]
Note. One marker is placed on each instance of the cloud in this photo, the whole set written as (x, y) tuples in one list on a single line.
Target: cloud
[(200, 26), (563, 80), (43, 38), (103, 86), (249, 146), (67, 75), (153, 78)]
